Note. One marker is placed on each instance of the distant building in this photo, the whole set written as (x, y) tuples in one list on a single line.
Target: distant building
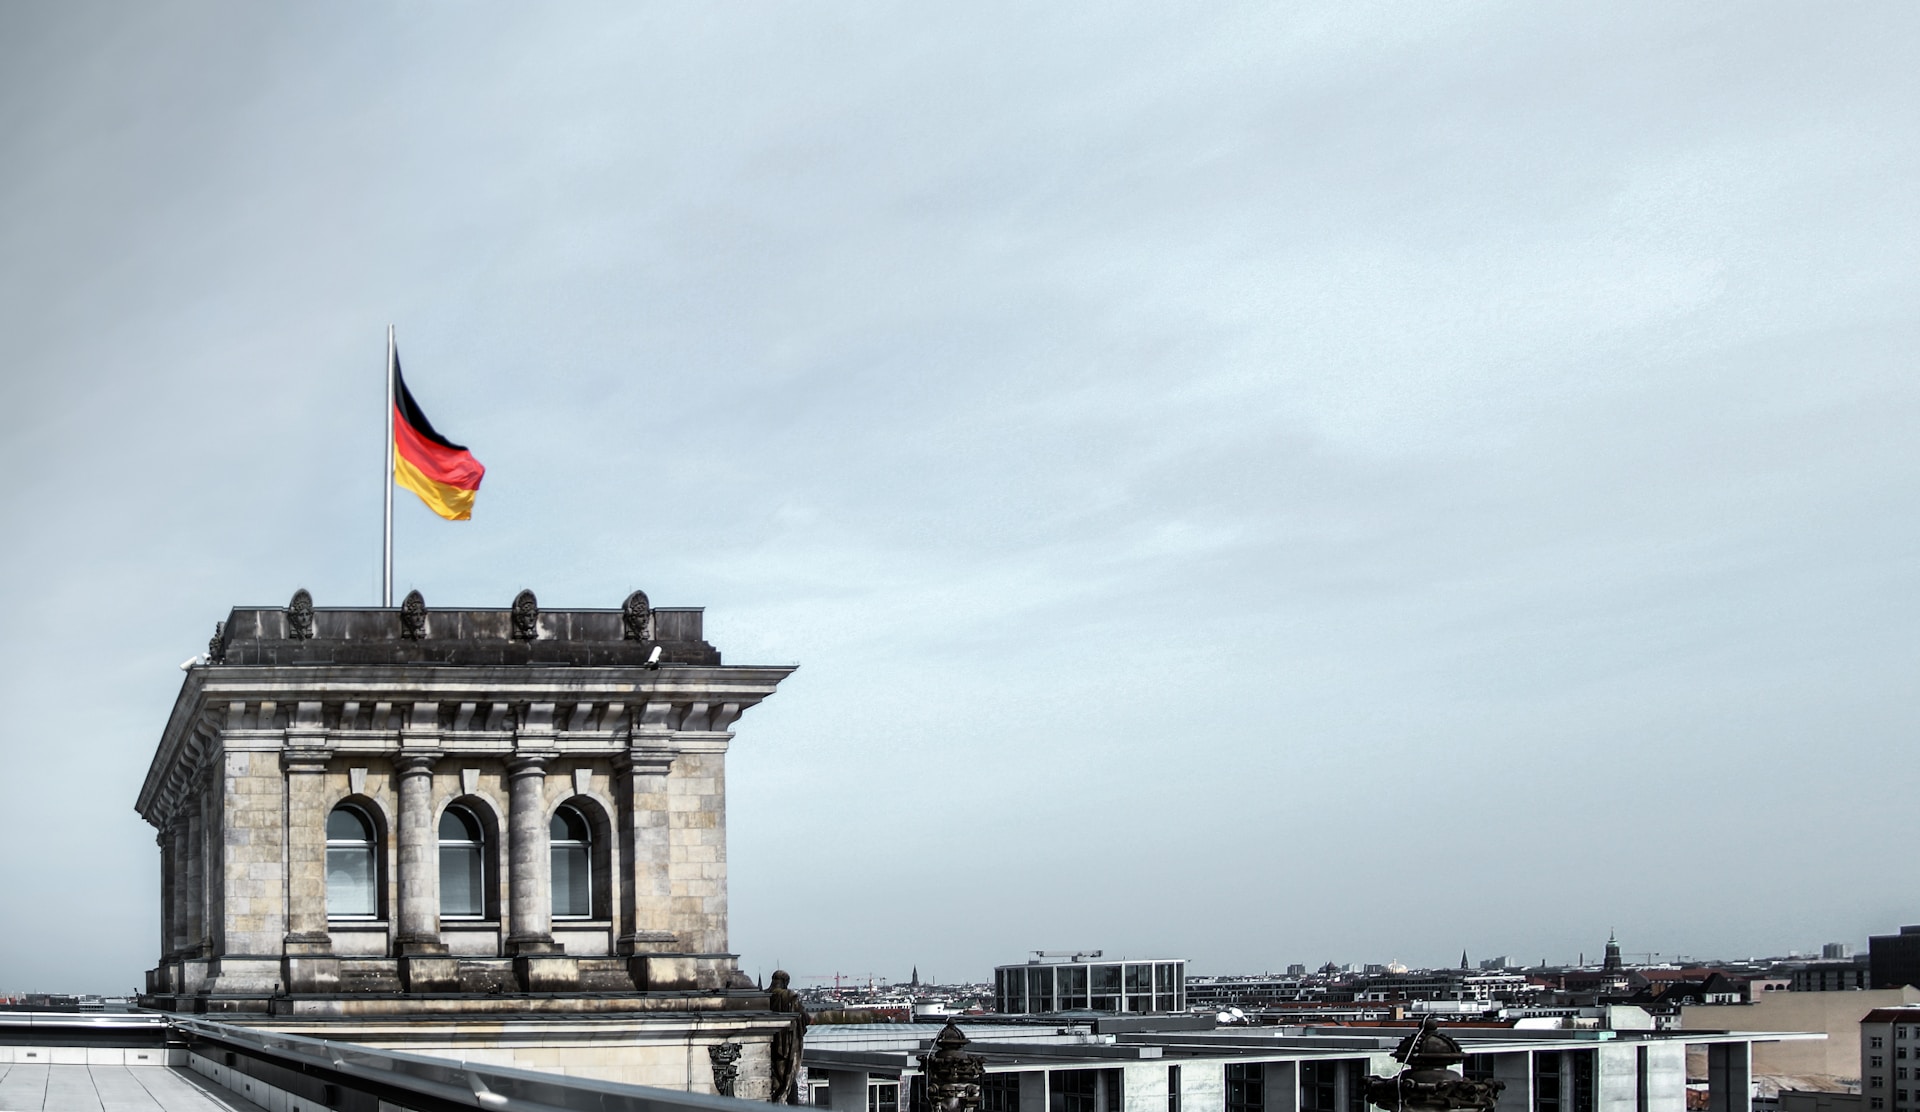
[(1830, 976), (1836, 951), (1221, 992), (1043, 985), (1184, 1064), (1894, 959), (1890, 1058)]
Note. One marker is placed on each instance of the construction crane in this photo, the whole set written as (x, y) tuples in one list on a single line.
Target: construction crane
[(837, 977)]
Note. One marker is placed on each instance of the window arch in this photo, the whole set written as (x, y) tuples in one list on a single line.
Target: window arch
[(352, 872), (571, 839), (463, 864)]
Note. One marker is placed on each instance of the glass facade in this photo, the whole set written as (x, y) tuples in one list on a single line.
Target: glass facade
[(1135, 987)]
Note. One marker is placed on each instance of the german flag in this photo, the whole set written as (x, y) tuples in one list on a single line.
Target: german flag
[(444, 474)]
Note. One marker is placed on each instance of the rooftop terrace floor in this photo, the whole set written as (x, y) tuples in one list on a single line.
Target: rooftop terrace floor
[(77, 1088)]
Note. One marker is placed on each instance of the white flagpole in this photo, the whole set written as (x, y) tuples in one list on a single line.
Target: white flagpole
[(386, 484)]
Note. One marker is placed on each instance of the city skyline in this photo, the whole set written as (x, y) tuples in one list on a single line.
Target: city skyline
[(1242, 484)]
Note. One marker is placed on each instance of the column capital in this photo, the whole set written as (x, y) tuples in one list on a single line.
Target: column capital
[(305, 759), (409, 762), (529, 763), (645, 761)]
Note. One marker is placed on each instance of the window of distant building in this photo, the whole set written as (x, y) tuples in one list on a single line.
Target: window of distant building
[(1874, 1042), (1899, 1052), (1878, 1102), (463, 865), (351, 865), (1876, 1082), (1000, 1092), (1546, 1082), (1246, 1087), (1080, 1090), (571, 841), (1876, 1061), (1319, 1086)]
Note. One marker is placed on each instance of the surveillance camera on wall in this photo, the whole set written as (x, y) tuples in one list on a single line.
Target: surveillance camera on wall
[(187, 664), (653, 658)]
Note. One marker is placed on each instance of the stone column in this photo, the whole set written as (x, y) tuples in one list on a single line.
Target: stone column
[(425, 965), (530, 896), (160, 979), (308, 963), (179, 940), (654, 954), (537, 960), (192, 893)]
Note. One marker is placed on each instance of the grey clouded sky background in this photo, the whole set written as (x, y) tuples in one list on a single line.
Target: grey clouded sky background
[(1258, 484)]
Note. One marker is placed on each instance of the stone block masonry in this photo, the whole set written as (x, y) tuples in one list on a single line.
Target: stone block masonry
[(484, 812)]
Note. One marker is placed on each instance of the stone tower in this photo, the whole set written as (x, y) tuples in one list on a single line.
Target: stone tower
[(394, 811)]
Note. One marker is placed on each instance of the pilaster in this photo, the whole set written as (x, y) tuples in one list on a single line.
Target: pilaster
[(308, 964)]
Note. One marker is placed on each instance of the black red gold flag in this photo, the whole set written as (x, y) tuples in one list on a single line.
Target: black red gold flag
[(444, 474)]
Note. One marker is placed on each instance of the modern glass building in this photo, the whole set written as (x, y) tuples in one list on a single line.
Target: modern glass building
[(1135, 987)]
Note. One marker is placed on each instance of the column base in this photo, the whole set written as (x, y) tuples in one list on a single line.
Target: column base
[(648, 942), (429, 972), (664, 972), (546, 972), (309, 965)]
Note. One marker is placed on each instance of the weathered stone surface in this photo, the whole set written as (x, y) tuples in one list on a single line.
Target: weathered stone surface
[(401, 720)]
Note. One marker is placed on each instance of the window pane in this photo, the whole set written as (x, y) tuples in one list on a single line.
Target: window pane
[(458, 826), (350, 881), (571, 894), (346, 824), (462, 891)]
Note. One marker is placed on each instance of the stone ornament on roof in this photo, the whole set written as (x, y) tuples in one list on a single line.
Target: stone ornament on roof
[(300, 616), (526, 616), (637, 614), (413, 616), (1428, 1084)]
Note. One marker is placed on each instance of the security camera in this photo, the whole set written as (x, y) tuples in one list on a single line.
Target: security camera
[(187, 664), (653, 658)]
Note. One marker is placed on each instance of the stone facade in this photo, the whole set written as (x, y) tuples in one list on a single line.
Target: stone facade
[(621, 716)]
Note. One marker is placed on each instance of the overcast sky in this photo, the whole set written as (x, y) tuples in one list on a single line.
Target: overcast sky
[(1253, 484)]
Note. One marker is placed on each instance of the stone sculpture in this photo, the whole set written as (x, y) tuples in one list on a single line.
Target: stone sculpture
[(526, 616), (300, 616), (787, 1044), (725, 1058), (637, 614), (1427, 1085), (953, 1076), (413, 616)]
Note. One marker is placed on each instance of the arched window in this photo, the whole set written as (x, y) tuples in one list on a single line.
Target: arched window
[(463, 870), (572, 841), (350, 865)]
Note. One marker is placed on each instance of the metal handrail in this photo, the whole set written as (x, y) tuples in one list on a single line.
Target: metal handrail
[(457, 1083)]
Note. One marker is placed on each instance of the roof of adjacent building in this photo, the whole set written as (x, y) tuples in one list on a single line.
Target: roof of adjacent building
[(1891, 1015)]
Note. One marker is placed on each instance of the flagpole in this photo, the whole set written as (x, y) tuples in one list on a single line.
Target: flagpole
[(386, 484)]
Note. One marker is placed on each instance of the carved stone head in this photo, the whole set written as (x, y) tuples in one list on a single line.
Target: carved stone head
[(526, 616), (300, 615), (217, 644), (637, 613), (413, 616)]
